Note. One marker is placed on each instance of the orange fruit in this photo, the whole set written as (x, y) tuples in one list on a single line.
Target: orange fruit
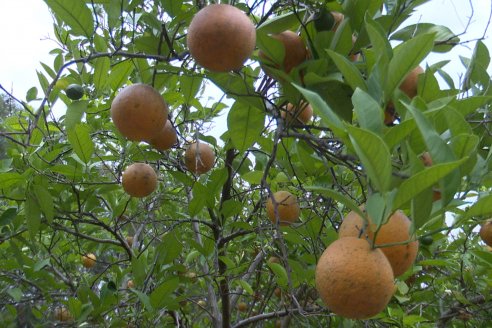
[(297, 115), (89, 260), (409, 84), (139, 180), (486, 232), (277, 292), (285, 207), (199, 158), (295, 50), (130, 284), (426, 158), (242, 307), (166, 138), (61, 313), (396, 230), (139, 112), (273, 259), (221, 37), (353, 280)]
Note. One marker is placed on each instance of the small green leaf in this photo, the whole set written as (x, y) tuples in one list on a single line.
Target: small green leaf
[(81, 142), (9, 179), (349, 71), (101, 73), (75, 14), (144, 299), (120, 73), (423, 180), (33, 214), (163, 292), (245, 124), (374, 156), (369, 113), (280, 274), (75, 112), (45, 201), (246, 286), (406, 57), (190, 85), (482, 207)]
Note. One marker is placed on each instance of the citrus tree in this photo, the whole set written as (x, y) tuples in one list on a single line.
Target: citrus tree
[(190, 164)]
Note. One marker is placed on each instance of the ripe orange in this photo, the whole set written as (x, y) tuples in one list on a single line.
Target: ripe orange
[(139, 112), (353, 280), (139, 180), (396, 230), (486, 232), (61, 313), (295, 50), (221, 37), (286, 208), (242, 307), (129, 241), (89, 260), (297, 115), (199, 158), (409, 84), (130, 284), (166, 138)]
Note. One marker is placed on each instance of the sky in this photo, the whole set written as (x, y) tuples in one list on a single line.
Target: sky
[(26, 30)]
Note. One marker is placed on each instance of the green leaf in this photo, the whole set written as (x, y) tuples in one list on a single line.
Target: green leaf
[(45, 201), (144, 299), (484, 256), (374, 156), (280, 274), (41, 264), (379, 41), (369, 113), (445, 39), (349, 71), (328, 192), (163, 292), (120, 73), (190, 85), (33, 214), (75, 14), (423, 180), (81, 141), (406, 57), (482, 207), (280, 23), (169, 249), (15, 293), (247, 287), (75, 112), (321, 108), (245, 124), (9, 179), (101, 73)]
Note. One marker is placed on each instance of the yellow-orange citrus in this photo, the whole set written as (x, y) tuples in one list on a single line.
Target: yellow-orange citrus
[(166, 138), (242, 307), (89, 260), (139, 112), (297, 115), (130, 284), (409, 84), (353, 280), (61, 313), (396, 230), (286, 207), (199, 158), (486, 232), (139, 180), (295, 50), (221, 37)]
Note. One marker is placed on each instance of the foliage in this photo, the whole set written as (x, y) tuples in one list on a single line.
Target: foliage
[(200, 244)]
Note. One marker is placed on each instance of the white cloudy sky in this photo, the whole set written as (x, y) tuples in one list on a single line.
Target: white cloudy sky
[(26, 26)]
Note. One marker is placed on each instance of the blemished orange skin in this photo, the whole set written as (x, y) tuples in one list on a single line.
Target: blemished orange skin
[(409, 84), (353, 280), (61, 313), (396, 230), (199, 158), (287, 208), (295, 50), (221, 37), (89, 260), (486, 233), (297, 115), (139, 112), (166, 138), (139, 180)]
